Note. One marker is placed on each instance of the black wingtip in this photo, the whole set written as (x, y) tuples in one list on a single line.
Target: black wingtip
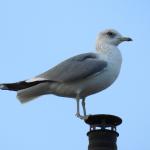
[(19, 85)]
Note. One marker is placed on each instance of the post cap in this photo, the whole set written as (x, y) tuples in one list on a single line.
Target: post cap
[(103, 120)]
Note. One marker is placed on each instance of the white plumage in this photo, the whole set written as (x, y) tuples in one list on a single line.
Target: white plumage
[(78, 76)]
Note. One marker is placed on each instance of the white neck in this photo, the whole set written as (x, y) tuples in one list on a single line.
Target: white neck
[(103, 46), (108, 51)]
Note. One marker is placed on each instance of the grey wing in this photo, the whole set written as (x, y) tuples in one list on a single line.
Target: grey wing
[(75, 68)]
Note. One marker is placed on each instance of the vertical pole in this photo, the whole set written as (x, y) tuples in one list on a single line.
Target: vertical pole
[(103, 134)]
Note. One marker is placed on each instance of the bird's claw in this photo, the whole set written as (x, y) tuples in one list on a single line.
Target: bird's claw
[(82, 117)]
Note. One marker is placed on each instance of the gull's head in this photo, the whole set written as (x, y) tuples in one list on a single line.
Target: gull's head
[(110, 37)]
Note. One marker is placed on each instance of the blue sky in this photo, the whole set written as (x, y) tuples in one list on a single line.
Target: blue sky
[(37, 34)]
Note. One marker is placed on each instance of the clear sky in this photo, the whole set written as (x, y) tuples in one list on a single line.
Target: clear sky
[(37, 34)]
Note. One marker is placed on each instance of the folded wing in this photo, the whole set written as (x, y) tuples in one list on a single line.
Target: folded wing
[(75, 68)]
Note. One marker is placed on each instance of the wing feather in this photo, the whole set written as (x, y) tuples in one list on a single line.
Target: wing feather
[(75, 68)]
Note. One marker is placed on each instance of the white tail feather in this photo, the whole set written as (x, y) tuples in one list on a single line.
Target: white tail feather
[(3, 87), (33, 92), (35, 79)]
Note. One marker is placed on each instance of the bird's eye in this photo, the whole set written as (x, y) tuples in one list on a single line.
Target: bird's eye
[(110, 34)]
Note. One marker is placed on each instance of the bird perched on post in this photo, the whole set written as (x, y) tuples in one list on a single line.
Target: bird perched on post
[(78, 76)]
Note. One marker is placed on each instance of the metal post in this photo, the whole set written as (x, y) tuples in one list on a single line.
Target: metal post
[(103, 134)]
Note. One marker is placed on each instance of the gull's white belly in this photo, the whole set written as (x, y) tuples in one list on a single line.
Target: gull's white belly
[(88, 86)]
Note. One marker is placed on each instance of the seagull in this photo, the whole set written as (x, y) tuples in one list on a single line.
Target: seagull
[(79, 76)]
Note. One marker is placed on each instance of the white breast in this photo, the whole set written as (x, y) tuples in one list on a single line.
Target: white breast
[(94, 83), (104, 79)]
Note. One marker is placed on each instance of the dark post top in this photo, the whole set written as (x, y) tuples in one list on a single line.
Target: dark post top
[(103, 134), (103, 121)]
